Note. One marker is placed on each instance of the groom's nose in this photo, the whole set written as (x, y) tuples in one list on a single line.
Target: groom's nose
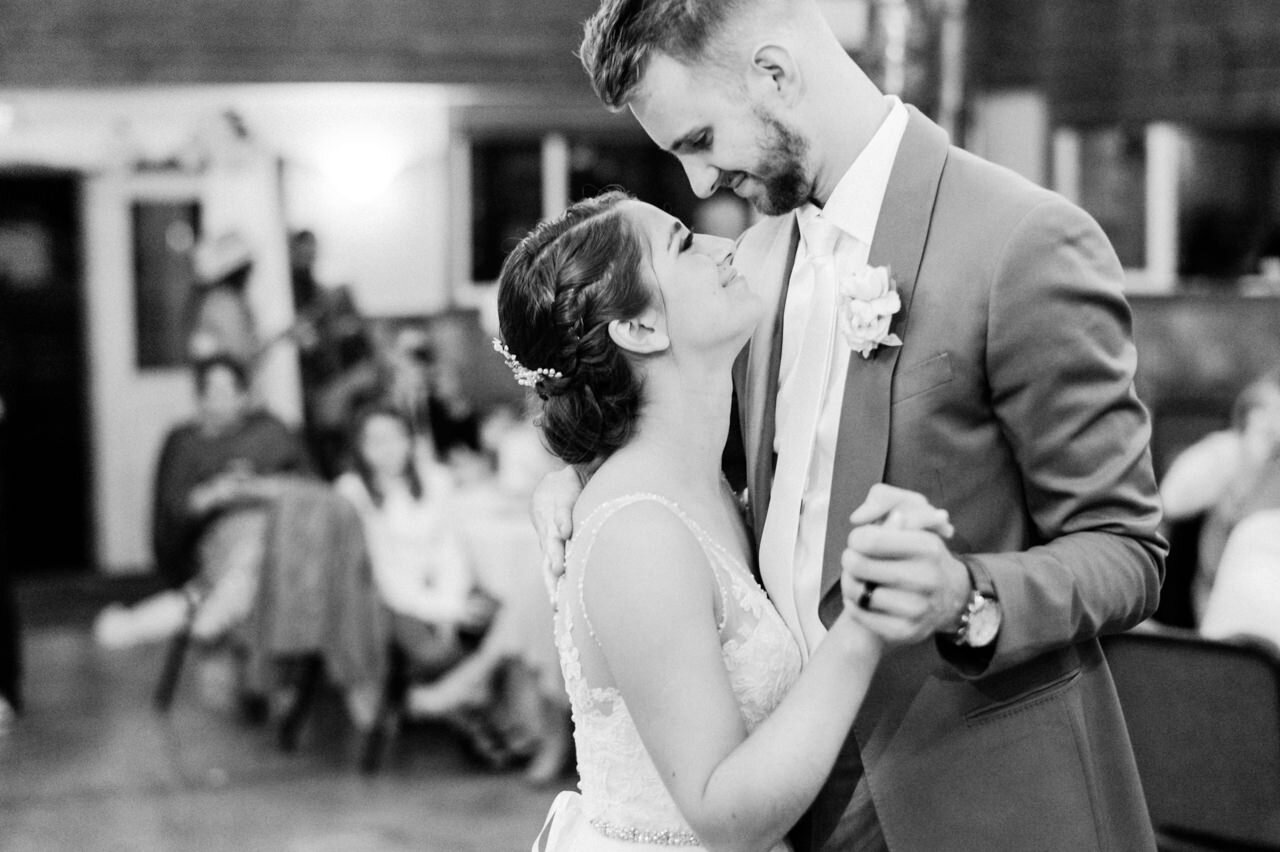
[(702, 177)]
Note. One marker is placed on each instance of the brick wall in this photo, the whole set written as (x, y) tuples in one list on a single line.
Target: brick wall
[(1202, 62), (1212, 63), (106, 42)]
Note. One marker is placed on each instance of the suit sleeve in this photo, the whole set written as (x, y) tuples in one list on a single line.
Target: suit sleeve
[(1060, 367)]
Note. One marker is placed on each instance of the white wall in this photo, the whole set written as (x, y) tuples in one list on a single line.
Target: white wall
[(365, 167)]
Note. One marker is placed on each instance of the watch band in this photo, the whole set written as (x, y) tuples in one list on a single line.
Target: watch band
[(981, 592), (962, 632)]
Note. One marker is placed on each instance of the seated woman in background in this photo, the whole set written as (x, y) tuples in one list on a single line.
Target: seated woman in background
[(421, 573), (1244, 603), (215, 479), (1228, 476), (518, 652)]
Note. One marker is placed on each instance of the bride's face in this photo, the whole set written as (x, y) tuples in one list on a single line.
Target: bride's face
[(706, 301)]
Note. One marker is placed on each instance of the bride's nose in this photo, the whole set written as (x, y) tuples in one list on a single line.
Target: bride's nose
[(718, 249)]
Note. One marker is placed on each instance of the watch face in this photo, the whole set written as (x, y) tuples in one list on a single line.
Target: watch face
[(984, 623)]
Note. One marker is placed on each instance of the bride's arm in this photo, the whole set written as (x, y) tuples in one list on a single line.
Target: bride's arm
[(650, 596)]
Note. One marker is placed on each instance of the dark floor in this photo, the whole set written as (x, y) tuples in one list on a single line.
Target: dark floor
[(90, 766)]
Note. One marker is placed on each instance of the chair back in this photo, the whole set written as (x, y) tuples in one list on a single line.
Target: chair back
[(1204, 718)]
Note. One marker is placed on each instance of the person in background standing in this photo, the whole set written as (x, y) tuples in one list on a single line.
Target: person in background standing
[(336, 357)]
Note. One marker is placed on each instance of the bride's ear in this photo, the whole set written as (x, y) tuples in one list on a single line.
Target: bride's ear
[(644, 334)]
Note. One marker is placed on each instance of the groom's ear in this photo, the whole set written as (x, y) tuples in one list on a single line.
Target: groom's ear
[(775, 74), (644, 334)]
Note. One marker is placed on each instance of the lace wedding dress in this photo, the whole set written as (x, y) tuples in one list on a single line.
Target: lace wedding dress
[(624, 806)]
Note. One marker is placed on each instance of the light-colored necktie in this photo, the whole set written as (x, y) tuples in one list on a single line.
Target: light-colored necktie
[(798, 424)]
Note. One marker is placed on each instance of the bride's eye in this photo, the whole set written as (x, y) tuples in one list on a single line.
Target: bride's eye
[(687, 242)]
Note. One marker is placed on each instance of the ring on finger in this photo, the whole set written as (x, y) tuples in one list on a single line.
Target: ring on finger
[(864, 599)]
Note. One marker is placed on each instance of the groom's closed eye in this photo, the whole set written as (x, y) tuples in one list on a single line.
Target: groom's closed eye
[(692, 142)]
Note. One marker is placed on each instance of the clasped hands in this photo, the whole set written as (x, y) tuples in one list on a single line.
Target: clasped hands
[(898, 578)]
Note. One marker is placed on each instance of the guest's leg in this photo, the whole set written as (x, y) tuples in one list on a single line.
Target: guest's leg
[(151, 619), (556, 746), (231, 561), (430, 649)]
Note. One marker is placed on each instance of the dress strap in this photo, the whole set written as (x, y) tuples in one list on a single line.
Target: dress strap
[(595, 521)]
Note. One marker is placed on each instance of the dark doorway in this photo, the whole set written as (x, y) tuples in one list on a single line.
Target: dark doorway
[(44, 435)]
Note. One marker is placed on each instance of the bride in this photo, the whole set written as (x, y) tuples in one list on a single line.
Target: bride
[(694, 725)]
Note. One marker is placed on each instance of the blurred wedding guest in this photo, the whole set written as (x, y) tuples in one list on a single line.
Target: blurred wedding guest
[(215, 480), (1227, 476), (516, 666), (425, 383), (1244, 602), (337, 358), (420, 570), (455, 420), (303, 250), (222, 322)]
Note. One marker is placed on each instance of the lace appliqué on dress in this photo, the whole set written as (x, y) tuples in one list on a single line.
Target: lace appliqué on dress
[(622, 792)]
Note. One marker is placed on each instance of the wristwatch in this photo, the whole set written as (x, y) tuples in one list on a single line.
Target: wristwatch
[(980, 621)]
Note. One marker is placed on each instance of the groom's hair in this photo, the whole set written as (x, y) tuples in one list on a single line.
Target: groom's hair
[(622, 34)]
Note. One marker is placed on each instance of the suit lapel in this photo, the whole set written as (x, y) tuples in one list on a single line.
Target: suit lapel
[(863, 444), (768, 267)]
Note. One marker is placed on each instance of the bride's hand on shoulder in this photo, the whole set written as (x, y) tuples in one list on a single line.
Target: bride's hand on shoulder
[(551, 509)]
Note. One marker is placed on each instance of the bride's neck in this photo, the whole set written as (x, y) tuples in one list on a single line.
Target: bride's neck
[(686, 422)]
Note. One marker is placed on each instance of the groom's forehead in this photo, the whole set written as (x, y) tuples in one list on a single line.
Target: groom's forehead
[(671, 99)]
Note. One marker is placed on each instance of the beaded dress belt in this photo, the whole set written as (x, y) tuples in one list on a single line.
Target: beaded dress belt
[(630, 834)]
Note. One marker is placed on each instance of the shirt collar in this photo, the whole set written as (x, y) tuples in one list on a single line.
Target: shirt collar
[(854, 205)]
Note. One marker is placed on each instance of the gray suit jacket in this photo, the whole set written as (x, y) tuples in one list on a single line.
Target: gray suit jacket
[(1010, 404)]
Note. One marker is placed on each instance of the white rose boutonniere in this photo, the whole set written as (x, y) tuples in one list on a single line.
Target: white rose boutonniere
[(868, 301)]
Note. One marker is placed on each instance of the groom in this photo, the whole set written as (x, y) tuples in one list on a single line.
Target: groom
[(940, 330)]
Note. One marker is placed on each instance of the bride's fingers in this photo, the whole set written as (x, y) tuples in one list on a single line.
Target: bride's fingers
[(882, 500), (922, 517), (882, 543)]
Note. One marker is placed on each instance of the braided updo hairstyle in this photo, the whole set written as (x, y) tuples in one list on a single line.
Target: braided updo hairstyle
[(557, 293)]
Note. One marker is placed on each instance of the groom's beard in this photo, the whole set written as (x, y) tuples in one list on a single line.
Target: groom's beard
[(784, 184)]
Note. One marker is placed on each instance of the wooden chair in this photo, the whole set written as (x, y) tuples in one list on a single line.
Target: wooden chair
[(1204, 718)]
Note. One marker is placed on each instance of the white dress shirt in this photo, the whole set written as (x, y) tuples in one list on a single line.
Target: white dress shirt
[(854, 207)]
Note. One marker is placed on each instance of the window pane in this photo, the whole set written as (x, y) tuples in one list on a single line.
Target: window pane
[(1226, 217), (1113, 174), (638, 166), (506, 200), (163, 235), (654, 176)]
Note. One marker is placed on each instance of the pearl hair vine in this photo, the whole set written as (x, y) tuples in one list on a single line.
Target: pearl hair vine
[(524, 376)]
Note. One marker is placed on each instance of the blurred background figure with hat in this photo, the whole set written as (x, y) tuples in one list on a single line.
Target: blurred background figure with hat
[(222, 323)]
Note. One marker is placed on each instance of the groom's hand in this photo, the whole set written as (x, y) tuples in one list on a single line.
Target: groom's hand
[(897, 549), (552, 512)]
